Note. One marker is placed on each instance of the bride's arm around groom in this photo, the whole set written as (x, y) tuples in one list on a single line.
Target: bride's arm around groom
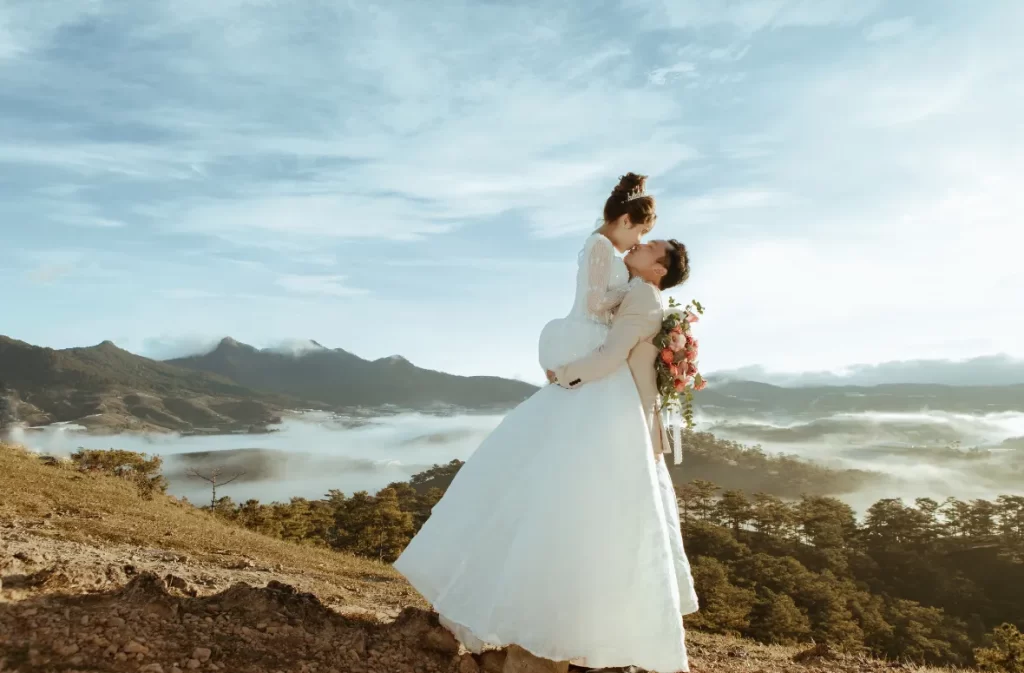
[(636, 322), (656, 266)]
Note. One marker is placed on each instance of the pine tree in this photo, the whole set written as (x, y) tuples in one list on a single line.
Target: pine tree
[(775, 619), (772, 516), (725, 608), (376, 526), (1005, 654), (734, 510)]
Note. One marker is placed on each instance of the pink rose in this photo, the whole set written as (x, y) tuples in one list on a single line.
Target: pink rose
[(701, 385), (680, 385), (692, 317), (690, 354), (691, 369), (677, 341), (667, 356), (678, 329)]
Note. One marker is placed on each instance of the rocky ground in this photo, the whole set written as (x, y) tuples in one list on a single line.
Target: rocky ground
[(95, 578), (67, 606), (77, 607)]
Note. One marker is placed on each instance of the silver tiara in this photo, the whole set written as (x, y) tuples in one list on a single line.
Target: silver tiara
[(637, 193)]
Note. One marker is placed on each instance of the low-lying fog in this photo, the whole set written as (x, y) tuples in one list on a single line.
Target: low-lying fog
[(312, 453)]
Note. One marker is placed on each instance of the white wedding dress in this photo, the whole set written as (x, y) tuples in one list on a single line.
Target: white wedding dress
[(561, 532)]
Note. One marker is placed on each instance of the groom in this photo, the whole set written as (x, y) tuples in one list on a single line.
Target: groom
[(653, 267)]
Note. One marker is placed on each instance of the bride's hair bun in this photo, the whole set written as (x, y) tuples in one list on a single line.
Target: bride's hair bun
[(630, 182), (640, 209)]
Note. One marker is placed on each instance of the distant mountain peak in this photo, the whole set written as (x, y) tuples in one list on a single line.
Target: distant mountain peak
[(395, 359), (296, 347), (106, 346)]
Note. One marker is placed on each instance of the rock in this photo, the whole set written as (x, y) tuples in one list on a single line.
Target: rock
[(820, 651), (441, 640), (116, 622), (152, 668), (467, 664), (521, 661), (135, 647), (193, 664), (493, 661), (175, 582), (202, 654)]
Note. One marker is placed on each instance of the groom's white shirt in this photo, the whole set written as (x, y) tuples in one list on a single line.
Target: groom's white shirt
[(637, 321)]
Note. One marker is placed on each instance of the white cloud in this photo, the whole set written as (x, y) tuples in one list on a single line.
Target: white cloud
[(47, 274), (48, 266), (889, 29), (659, 76), (187, 293), (242, 141), (27, 27), (437, 140), (295, 346), (751, 16), (90, 159), (170, 347), (937, 273), (330, 286), (303, 216)]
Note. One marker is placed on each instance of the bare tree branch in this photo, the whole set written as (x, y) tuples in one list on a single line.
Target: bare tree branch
[(213, 478)]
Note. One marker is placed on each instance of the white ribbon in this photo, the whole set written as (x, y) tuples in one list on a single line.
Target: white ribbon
[(674, 419), (677, 438)]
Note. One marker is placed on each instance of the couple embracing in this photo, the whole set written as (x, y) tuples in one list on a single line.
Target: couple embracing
[(561, 535)]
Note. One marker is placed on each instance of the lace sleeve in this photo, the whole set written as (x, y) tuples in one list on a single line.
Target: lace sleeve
[(600, 258)]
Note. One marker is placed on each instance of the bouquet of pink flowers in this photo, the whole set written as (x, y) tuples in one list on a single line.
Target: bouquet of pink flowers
[(678, 375)]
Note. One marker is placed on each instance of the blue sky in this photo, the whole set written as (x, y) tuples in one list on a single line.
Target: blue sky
[(417, 178)]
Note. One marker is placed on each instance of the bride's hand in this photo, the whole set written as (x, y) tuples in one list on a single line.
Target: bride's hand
[(551, 377)]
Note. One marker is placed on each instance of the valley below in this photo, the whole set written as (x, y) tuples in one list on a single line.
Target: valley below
[(284, 425), (860, 458)]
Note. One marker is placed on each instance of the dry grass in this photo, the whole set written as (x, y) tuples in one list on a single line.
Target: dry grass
[(95, 509), (711, 653), (92, 507)]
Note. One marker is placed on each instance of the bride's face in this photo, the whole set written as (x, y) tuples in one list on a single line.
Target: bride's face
[(627, 236)]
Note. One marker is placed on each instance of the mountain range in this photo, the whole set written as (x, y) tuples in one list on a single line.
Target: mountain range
[(337, 378), (752, 399), (986, 370), (234, 388), (240, 388)]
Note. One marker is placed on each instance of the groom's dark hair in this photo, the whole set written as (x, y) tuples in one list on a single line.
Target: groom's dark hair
[(677, 265)]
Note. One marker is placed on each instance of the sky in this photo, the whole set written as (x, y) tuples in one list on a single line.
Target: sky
[(417, 178)]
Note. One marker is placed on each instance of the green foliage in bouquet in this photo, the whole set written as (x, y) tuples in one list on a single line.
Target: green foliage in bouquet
[(678, 372)]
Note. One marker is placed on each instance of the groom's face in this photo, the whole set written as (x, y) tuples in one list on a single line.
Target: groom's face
[(647, 256)]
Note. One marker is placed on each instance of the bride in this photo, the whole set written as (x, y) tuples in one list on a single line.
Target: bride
[(561, 532)]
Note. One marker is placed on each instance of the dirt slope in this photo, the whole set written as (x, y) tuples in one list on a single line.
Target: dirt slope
[(96, 579)]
